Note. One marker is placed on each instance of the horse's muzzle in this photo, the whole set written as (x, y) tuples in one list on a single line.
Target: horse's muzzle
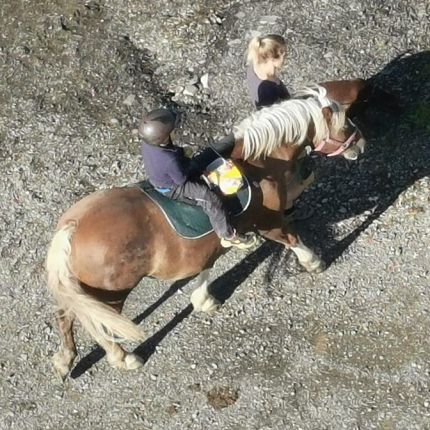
[(353, 152)]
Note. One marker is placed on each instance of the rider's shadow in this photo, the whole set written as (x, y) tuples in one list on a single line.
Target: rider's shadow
[(397, 155)]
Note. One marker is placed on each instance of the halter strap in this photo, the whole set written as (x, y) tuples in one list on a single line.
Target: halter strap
[(341, 146)]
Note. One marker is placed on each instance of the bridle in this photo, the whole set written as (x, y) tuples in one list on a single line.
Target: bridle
[(333, 147)]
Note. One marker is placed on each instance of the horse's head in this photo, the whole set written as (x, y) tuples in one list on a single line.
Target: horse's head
[(342, 136), (310, 117)]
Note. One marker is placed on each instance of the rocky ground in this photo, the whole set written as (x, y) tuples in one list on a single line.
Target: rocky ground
[(345, 349)]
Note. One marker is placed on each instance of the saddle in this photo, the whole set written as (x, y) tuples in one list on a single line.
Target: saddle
[(222, 176)]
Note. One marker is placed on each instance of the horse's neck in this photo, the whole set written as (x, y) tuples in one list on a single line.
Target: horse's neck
[(283, 153), (276, 165), (237, 152), (282, 157)]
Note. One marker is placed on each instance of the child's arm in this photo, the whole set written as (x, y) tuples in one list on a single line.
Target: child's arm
[(178, 172)]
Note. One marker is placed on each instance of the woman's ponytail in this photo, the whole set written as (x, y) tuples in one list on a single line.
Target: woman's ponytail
[(253, 48), (261, 48)]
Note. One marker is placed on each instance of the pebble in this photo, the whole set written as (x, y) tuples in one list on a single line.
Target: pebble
[(129, 100), (205, 80), (190, 90)]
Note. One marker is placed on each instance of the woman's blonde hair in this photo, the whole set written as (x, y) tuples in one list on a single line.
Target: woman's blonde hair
[(261, 48)]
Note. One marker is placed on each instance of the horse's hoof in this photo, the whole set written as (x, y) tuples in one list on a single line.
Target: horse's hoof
[(61, 373), (62, 365), (133, 361), (315, 266), (320, 268), (198, 299), (211, 305), (204, 302)]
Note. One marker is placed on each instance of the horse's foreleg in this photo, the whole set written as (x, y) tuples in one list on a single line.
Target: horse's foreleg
[(289, 237), (201, 298), (295, 189), (63, 359), (308, 258)]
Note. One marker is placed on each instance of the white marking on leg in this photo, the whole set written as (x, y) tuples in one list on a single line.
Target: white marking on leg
[(201, 299), (133, 361), (307, 258), (121, 359), (62, 361)]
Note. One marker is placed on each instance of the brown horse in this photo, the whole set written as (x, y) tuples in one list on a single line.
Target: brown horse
[(107, 242)]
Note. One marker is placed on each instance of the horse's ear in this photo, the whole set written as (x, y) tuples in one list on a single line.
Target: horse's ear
[(327, 113)]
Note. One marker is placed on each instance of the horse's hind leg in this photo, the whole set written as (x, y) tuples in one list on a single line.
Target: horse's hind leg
[(115, 353), (63, 359), (118, 357), (201, 298)]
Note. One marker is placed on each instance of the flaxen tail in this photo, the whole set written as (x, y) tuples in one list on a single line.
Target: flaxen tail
[(98, 318)]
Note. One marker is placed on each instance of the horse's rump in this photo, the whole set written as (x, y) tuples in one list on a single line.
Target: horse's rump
[(122, 236), (98, 318)]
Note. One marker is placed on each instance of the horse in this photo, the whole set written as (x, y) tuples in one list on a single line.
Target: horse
[(108, 241)]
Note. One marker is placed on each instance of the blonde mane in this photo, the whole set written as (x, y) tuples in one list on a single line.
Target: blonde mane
[(288, 122)]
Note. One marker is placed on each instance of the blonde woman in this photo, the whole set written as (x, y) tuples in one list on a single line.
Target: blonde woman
[(265, 57)]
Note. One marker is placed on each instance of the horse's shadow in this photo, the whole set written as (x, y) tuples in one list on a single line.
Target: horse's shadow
[(396, 156)]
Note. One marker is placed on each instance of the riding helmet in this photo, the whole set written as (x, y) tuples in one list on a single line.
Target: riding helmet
[(155, 127)]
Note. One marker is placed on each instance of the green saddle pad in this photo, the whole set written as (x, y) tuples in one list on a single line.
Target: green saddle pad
[(189, 221)]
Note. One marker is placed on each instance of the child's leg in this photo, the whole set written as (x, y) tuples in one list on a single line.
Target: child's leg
[(202, 196)]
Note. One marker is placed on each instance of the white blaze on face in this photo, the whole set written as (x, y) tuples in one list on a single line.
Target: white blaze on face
[(354, 152)]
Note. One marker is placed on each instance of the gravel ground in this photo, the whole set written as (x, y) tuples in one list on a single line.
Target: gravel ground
[(345, 349)]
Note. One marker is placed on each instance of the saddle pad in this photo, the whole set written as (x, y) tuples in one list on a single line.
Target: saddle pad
[(189, 221)]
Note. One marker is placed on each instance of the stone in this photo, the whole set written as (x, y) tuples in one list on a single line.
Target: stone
[(190, 90), (204, 80)]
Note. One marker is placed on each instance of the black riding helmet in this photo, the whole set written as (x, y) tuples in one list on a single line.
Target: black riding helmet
[(155, 127)]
